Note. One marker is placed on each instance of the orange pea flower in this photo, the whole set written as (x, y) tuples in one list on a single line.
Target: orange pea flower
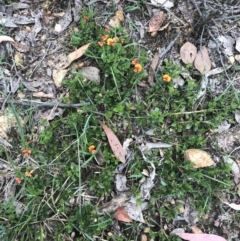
[(116, 39), (135, 61), (104, 37), (26, 152), (101, 43), (92, 149), (18, 180), (86, 18), (29, 173), (167, 78), (107, 29), (137, 68)]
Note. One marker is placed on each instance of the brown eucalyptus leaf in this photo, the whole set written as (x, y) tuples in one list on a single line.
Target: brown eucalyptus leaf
[(156, 22), (202, 61), (91, 73), (188, 53), (115, 144), (122, 215)]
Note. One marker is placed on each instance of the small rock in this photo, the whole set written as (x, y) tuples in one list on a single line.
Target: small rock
[(231, 59)]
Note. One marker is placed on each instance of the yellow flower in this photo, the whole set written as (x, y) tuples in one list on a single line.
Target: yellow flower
[(92, 149), (29, 173), (26, 152), (137, 68), (167, 78), (110, 42)]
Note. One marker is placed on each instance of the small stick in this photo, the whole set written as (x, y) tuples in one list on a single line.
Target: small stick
[(44, 104)]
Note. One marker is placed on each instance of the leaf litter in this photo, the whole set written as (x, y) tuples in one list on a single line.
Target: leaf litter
[(137, 211)]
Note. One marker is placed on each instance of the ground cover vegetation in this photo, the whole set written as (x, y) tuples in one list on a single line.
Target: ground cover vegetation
[(59, 181)]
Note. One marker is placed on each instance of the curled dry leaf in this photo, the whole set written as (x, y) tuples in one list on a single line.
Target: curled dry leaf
[(188, 53), (122, 215), (202, 61), (200, 237), (156, 22), (4, 38), (198, 157), (115, 144)]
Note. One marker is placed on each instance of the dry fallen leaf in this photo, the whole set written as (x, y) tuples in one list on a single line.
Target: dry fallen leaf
[(5, 38), (156, 22), (233, 205), (200, 237), (122, 215), (153, 67), (58, 76), (198, 157), (43, 95), (188, 53), (75, 55), (115, 144), (202, 61), (8, 121)]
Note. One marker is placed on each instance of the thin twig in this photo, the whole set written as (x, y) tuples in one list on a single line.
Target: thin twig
[(43, 104)]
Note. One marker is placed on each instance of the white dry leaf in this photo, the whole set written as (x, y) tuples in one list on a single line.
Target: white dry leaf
[(177, 230), (237, 116), (5, 143), (227, 42), (148, 185), (234, 167), (6, 22), (52, 113), (223, 127), (150, 145), (58, 75), (4, 38), (121, 182), (43, 95), (65, 20), (178, 82), (164, 3), (238, 44), (233, 205), (126, 144), (91, 73), (134, 211)]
